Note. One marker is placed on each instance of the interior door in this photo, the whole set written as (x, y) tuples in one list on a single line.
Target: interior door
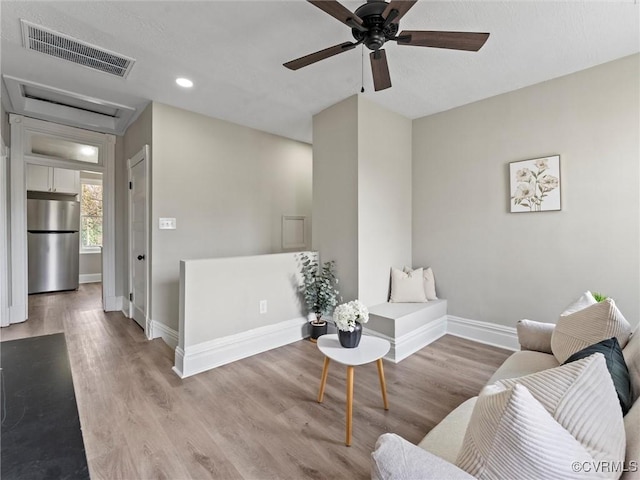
[(138, 244)]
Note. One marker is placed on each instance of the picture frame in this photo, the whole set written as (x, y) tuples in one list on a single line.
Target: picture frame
[(534, 185)]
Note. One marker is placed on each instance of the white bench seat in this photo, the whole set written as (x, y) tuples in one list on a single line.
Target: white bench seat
[(408, 326)]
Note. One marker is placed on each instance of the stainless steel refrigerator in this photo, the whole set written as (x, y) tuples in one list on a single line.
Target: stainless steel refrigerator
[(53, 244)]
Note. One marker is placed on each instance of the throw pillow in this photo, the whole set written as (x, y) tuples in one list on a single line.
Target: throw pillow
[(407, 287), (396, 459), (585, 300), (534, 335), (577, 391), (632, 358), (511, 435), (585, 327), (429, 282), (616, 366)]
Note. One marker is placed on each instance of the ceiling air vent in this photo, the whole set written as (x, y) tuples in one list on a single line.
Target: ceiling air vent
[(62, 46)]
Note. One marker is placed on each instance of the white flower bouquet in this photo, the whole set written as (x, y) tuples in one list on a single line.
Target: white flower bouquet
[(346, 315)]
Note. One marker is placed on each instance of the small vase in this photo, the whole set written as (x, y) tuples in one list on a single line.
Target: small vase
[(350, 339)]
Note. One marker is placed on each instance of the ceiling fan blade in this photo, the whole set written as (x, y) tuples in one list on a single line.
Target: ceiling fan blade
[(380, 70), (340, 12), (400, 6), (320, 55), (454, 40)]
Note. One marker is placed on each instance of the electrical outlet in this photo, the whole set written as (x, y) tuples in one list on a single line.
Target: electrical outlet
[(263, 306)]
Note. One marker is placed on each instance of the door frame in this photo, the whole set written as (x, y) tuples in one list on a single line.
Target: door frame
[(4, 236), (142, 156), (21, 126)]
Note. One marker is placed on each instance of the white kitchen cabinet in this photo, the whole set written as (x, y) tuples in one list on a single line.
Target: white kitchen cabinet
[(49, 179), (38, 178), (66, 181)]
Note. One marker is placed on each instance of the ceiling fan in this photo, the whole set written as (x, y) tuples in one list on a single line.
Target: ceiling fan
[(377, 22)]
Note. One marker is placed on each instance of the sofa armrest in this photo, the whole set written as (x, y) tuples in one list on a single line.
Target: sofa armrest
[(396, 459), (535, 336)]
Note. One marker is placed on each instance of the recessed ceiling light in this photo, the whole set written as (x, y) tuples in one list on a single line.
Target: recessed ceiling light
[(184, 82)]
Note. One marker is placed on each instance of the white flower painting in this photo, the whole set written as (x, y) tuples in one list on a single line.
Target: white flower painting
[(535, 184)]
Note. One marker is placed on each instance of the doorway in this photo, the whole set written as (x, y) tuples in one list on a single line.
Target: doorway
[(139, 254), (52, 146)]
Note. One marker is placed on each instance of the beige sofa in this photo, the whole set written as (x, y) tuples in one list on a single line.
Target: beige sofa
[(435, 456)]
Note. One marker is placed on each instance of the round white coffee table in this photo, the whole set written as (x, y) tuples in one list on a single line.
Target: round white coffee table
[(370, 349)]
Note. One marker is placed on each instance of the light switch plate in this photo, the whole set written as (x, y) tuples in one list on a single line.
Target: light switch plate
[(167, 223)]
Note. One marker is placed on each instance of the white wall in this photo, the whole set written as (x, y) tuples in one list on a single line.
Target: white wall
[(222, 295), (227, 186), (220, 319), (384, 198), (137, 136), (362, 201), (335, 187), (121, 219), (5, 129), (499, 267), (90, 264)]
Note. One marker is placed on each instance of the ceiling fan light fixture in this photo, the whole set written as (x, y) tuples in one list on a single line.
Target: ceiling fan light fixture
[(376, 22), (184, 82)]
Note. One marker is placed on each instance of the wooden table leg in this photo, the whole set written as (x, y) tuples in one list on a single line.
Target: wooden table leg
[(383, 384), (323, 382), (349, 404)]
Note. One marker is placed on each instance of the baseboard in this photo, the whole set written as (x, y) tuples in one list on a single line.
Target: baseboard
[(17, 314), (90, 277), (483, 332), (160, 330), (113, 304), (220, 351), (411, 342)]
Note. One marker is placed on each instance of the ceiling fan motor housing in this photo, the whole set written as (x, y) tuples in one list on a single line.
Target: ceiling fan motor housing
[(377, 34)]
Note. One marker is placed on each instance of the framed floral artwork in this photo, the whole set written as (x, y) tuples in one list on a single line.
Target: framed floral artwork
[(535, 185)]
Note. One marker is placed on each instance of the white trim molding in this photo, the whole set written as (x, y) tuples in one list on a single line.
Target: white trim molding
[(4, 235), (112, 304), (412, 341), (483, 332), (68, 114), (220, 351), (90, 277), (160, 330)]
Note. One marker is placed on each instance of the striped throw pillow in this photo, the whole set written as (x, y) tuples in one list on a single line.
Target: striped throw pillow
[(585, 327), (576, 416)]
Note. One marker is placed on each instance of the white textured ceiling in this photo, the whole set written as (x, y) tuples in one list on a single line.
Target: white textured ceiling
[(234, 50)]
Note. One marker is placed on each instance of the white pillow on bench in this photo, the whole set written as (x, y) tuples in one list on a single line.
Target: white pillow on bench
[(429, 282), (407, 287)]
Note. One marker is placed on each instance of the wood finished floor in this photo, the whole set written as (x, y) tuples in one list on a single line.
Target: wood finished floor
[(256, 418)]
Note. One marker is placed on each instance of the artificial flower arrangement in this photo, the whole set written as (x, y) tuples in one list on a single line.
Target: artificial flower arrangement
[(346, 315)]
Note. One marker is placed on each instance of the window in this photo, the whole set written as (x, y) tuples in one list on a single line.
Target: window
[(52, 146), (90, 215)]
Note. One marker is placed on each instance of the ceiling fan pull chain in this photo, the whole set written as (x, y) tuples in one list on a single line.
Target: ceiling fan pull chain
[(362, 70)]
